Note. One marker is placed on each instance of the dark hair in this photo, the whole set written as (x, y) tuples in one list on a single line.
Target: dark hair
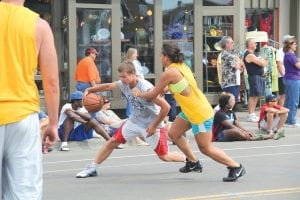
[(173, 53), (224, 99), (89, 50), (127, 66)]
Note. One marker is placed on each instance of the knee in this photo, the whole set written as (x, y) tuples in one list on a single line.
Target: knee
[(269, 115), (205, 149)]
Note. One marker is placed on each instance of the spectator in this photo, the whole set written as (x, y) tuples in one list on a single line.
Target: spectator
[(26, 42), (75, 124), (226, 127), (292, 80), (87, 74), (255, 70), (272, 117), (229, 68), (44, 122), (132, 55), (281, 71)]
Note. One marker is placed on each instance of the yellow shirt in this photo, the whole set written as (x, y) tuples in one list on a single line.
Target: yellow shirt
[(18, 92), (195, 106)]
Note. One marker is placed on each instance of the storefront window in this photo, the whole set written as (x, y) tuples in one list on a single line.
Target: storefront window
[(178, 23), (214, 27), (94, 1), (217, 2), (137, 31), (94, 30)]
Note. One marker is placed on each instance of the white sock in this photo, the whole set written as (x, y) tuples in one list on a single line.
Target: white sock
[(64, 144)]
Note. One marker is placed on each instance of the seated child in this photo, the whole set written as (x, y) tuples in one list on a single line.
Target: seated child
[(227, 128), (272, 117)]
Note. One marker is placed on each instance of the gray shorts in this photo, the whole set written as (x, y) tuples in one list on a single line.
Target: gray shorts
[(21, 159), (256, 85)]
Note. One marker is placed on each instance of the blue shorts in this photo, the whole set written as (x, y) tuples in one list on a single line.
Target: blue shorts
[(257, 86), (235, 90), (205, 127), (77, 134)]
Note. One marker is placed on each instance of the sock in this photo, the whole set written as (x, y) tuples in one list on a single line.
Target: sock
[(64, 144)]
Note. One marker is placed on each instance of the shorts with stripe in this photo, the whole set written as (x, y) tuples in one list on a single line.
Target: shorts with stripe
[(205, 127), (130, 130)]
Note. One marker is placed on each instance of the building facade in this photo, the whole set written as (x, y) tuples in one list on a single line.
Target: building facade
[(113, 26)]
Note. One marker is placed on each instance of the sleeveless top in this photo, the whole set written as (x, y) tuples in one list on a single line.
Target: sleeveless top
[(18, 95), (195, 106), (252, 68)]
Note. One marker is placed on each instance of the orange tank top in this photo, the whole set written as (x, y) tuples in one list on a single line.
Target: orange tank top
[(18, 94)]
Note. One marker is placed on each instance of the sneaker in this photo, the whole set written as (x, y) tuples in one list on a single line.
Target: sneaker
[(89, 171), (120, 146), (252, 118), (64, 148), (190, 166), (280, 134), (234, 173), (292, 125)]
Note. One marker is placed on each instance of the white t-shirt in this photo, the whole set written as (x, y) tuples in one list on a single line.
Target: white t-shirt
[(138, 69), (63, 116), (279, 57)]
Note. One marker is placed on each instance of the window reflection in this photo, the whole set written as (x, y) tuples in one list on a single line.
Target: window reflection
[(178, 23), (94, 1), (137, 31)]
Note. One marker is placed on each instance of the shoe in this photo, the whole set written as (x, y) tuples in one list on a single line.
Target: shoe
[(292, 125), (279, 134), (121, 146), (252, 118), (234, 173), (190, 166), (64, 148), (89, 171)]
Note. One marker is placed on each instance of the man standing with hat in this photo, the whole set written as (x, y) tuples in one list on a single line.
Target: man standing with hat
[(87, 74)]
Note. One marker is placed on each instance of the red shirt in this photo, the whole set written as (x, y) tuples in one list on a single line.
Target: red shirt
[(263, 111)]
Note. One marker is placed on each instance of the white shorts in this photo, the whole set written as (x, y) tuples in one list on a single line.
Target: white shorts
[(129, 130), (264, 124), (21, 159)]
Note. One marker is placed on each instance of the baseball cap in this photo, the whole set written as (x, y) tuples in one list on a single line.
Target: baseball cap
[(271, 97), (77, 95), (91, 50), (287, 37)]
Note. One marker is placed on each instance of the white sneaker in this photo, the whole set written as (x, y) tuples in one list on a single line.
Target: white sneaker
[(252, 118), (292, 125), (64, 148), (89, 171)]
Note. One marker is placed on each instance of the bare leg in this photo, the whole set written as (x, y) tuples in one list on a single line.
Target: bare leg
[(282, 120), (99, 130), (235, 134), (178, 127), (270, 119), (173, 156), (106, 150), (68, 126), (252, 104), (204, 144), (281, 99)]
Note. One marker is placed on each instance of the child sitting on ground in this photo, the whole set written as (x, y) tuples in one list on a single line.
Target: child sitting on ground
[(272, 117)]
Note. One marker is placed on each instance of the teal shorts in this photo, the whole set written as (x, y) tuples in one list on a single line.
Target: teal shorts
[(205, 127)]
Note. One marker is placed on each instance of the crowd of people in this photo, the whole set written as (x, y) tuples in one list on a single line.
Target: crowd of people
[(23, 180)]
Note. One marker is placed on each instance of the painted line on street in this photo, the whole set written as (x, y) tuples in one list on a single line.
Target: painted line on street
[(238, 195), (161, 162), (148, 155)]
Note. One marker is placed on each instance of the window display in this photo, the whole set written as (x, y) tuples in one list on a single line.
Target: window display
[(94, 30), (178, 26), (217, 2), (137, 31), (214, 27)]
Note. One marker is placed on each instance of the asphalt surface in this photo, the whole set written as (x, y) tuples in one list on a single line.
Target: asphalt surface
[(135, 173)]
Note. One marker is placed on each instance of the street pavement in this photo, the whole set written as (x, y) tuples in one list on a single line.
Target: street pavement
[(135, 173)]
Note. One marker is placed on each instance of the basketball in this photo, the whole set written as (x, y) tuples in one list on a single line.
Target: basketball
[(93, 102)]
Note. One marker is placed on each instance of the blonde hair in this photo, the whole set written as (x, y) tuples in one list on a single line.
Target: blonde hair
[(288, 43), (130, 52), (127, 66)]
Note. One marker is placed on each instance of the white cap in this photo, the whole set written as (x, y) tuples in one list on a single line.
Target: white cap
[(287, 37)]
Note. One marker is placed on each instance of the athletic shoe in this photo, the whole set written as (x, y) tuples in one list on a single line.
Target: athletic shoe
[(279, 134), (234, 173), (191, 166), (64, 148), (292, 125), (89, 171)]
